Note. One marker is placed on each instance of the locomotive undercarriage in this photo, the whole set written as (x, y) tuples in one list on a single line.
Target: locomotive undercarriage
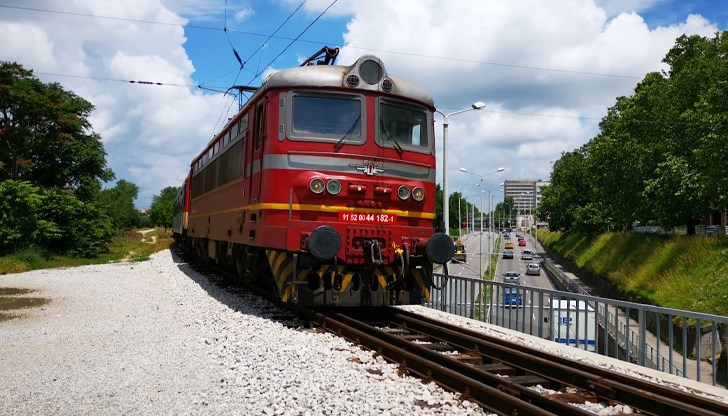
[(301, 278)]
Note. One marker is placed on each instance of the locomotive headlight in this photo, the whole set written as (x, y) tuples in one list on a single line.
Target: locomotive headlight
[(403, 192), (371, 72), (418, 194), (334, 187), (317, 185)]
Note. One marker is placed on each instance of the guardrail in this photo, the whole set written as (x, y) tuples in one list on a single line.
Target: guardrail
[(691, 343), (618, 327)]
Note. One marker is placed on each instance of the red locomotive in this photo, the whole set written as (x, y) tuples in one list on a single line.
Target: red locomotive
[(322, 185)]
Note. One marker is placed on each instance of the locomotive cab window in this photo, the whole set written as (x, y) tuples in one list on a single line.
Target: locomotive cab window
[(326, 117), (404, 126)]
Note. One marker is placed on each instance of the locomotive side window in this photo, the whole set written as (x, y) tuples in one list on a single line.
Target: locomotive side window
[(326, 117), (259, 126), (404, 126), (243, 124)]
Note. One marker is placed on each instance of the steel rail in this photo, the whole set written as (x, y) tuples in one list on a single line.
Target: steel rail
[(635, 392), (469, 378), (415, 359)]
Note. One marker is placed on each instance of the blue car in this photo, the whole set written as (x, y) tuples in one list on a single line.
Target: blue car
[(512, 298)]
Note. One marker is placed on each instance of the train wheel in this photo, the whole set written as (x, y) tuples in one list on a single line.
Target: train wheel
[(241, 268)]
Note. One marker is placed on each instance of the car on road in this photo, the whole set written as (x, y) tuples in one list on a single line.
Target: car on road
[(521, 243), (509, 245), (512, 298), (527, 255), (507, 254), (533, 269), (512, 277)]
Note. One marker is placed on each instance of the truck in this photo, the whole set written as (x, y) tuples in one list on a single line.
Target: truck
[(573, 323), (459, 255)]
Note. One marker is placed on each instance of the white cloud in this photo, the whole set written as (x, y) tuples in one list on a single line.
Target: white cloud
[(150, 132), (244, 14), (547, 70), (551, 68), (615, 7)]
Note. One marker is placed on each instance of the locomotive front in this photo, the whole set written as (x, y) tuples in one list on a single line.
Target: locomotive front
[(350, 184)]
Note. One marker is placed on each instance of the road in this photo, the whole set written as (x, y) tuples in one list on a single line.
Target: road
[(522, 317), (476, 264), (460, 294)]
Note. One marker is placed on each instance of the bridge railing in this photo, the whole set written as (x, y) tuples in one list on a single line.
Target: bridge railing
[(685, 343), (618, 328)]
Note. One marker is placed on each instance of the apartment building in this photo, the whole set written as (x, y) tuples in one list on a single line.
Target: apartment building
[(526, 194)]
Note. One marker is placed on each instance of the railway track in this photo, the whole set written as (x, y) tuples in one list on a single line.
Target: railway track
[(497, 374), (500, 375)]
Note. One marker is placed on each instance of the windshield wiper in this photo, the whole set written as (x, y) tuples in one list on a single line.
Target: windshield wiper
[(391, 139), (341, 141)]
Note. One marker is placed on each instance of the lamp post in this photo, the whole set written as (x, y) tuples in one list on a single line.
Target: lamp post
[(530, 200), (503, 207), (491, 211), (460, 221), (445, 197), (472, 208), (481, 210)]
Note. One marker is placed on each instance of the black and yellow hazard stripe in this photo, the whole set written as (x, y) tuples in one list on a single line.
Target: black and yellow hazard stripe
[(281, 265)]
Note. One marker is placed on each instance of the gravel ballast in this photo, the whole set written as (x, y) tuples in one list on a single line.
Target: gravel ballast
[(158, 338)]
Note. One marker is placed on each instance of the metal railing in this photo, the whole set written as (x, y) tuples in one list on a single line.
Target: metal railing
[(681, 342), (617, 328)]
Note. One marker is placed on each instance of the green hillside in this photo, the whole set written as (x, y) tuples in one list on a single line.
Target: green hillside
[(674, 271)]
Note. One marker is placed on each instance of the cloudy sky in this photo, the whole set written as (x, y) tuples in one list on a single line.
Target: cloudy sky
[(547, 70)]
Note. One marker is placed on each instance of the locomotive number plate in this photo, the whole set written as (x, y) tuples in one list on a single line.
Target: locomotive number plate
[(362, 218)]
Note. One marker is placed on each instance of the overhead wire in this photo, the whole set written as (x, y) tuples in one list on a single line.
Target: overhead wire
[(295, 39), (258, 72), (298, 39), (228, 105), (275, 31), (226, 111)]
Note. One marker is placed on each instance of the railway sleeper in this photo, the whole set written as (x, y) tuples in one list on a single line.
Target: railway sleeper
[(580, 397), (529, 380), (438, 346), (415, 337), (501, 369), (467, 358)]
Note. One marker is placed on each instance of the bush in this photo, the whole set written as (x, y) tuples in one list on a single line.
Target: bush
[(19, 201), (50, 220)]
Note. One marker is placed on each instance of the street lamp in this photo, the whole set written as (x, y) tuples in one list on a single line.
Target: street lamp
[(481, 210), (460, 221), (503, 206), (445, 197), (530, 200)]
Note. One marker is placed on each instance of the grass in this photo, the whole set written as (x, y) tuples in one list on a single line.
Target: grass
[(687, 272), (129, 246), (488, 274)]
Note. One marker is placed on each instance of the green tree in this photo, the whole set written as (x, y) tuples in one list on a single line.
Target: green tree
[(83, 230), (659, 157), (569, 192), (19, 203), (45, 135), (162, 206), (504, 212), (439, 219), (118, 204), (51, 168)]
